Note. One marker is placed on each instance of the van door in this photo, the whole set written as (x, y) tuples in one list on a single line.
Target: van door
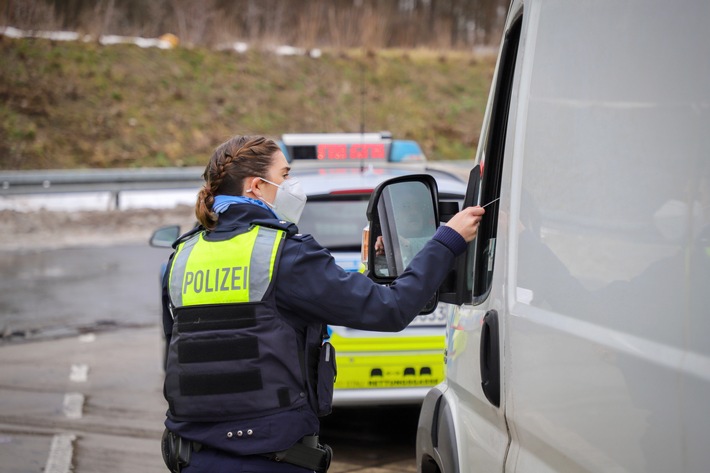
[(475, 361)]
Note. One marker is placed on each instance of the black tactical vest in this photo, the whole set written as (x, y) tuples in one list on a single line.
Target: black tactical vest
[(232, 355)]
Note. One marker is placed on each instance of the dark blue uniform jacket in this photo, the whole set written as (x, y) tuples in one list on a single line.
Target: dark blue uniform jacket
[(311, 288)]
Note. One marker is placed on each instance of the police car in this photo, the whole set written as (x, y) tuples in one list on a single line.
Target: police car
[(338, 172)]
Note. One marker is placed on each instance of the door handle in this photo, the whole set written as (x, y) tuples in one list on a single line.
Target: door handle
[(490, 358)]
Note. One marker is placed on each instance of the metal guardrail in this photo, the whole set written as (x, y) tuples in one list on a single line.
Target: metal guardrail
[(118, 180), (91, 180)]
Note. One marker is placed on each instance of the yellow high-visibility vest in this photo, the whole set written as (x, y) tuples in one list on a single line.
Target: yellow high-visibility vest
[(231, 271)]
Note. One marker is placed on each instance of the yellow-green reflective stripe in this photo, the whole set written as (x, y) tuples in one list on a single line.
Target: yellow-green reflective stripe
[(177, 271), (267, 243)]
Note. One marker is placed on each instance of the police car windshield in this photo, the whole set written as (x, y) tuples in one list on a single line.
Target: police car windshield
[(336, 222)]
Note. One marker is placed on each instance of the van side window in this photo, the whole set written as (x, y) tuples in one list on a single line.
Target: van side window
[(491, 166)]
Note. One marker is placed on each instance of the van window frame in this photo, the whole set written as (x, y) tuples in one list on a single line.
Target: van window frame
[(481, 253)]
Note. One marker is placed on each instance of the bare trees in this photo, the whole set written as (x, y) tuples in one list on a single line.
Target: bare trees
[(449, 24)]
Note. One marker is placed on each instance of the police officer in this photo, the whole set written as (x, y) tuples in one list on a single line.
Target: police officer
[(245, 302)]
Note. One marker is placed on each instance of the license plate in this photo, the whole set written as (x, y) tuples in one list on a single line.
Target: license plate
[(435, 319)]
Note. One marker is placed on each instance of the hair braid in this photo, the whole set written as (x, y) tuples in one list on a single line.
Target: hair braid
[(232, 162)]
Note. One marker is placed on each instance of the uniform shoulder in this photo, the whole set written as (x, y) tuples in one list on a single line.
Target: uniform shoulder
[(301, 237), (289, 227), (187, 235)]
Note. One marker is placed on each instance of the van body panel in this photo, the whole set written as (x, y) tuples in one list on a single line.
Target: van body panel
[(602, 258), (604, 297), (481, 427)]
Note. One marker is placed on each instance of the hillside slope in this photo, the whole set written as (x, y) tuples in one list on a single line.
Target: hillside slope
[(78, 105)]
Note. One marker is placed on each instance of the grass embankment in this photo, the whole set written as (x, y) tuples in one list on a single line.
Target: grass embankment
[(83, 105)]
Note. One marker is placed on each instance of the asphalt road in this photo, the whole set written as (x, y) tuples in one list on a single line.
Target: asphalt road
[(50, 292), (81, 376)]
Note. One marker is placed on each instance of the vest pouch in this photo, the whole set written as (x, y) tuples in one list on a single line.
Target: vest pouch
[(327, 371)]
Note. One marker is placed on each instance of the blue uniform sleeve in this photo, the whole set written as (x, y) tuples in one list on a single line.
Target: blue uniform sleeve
[(311, 287)]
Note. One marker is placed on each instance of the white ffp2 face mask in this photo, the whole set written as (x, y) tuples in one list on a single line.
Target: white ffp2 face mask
[(289, 201)]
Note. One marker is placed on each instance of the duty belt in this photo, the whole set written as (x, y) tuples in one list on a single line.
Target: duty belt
[(307, 453)]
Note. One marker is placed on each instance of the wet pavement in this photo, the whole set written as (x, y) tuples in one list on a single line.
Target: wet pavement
[(101, 394), (81, 374), (53, 291)]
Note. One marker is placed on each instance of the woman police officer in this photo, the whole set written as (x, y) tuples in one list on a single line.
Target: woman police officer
[(245, 302)]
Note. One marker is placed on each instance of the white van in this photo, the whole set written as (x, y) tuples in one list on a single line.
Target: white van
[(581, 336)]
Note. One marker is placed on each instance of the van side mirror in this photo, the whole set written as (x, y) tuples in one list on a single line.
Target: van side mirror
[(402, 214), (164, 237)]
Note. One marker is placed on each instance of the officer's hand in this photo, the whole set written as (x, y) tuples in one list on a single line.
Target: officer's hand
[(466, 222)]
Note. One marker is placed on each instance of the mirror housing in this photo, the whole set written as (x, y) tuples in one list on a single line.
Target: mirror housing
[(164, 237), (403, 213)]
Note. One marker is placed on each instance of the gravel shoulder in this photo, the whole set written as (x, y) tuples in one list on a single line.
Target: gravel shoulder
[(27, 231)]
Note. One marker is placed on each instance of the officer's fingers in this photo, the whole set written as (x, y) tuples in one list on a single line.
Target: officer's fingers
[(466, 222), (477, 210), (472, 213), (476, 215)]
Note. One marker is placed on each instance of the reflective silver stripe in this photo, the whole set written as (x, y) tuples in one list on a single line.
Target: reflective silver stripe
[(260, 264), (177, 273)]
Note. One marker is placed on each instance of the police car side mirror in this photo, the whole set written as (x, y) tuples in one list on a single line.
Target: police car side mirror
[(164, 237), (402, 214)]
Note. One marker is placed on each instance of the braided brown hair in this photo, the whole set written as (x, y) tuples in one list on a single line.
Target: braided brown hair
[(230, 164)]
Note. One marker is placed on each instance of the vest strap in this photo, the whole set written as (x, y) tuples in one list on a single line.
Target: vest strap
[(222, 317), (201, 351), (220, 383)]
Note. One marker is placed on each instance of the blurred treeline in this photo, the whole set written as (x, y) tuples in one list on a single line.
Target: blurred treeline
[(437, 24)]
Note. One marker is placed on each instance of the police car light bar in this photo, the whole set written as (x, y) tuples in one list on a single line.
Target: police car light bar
[(301, 139)]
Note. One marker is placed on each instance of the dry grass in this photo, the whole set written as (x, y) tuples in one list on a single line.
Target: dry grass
[(76, 105)]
